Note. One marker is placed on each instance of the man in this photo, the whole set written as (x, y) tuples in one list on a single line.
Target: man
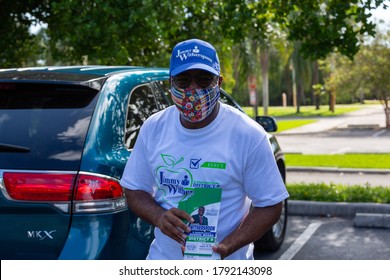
[(200, 218), (212, 146)]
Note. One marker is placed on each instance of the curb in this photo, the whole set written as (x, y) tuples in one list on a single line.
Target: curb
[(314, 131), (337, 170), (372, 220), (366, 214)]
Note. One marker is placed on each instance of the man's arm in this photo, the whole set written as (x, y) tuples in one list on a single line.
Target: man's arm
[(170, 222), (255, 225)]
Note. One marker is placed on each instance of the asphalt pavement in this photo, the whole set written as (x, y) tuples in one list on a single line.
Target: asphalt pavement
[(372, 116), (362, 131)]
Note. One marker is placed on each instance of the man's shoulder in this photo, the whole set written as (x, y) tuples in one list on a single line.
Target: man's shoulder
[(242, 122), (234, 112), (161, 116)]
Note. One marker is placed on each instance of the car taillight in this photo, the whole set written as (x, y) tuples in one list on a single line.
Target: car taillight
[(39, 186), (98, 194), (91, 187), (92, 192)]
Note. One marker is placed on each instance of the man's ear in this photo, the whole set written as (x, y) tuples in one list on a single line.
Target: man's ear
[(220, 80)]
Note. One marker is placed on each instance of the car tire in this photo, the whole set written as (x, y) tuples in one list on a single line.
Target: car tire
[(273, 238)]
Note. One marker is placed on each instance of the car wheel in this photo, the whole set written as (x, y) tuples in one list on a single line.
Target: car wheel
[(273, 239)]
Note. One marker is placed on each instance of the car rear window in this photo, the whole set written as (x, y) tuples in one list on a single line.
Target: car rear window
[(43, 126)]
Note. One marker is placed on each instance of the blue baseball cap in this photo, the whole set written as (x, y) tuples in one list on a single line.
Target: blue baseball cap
[(194, 54)]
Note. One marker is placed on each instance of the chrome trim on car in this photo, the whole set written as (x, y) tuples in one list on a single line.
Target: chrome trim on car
[(2, 186), (99, 175), (100, 206)]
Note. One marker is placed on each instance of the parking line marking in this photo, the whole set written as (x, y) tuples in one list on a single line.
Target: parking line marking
[(380, 132), (341, 151), (300, 241)]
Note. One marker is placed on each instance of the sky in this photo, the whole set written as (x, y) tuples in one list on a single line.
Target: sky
[(382, 14)]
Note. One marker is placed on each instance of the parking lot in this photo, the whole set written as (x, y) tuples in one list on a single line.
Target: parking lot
[(331, 234), (330, 238)]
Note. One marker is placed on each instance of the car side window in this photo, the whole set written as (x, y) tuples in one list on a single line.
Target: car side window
[(142, 105), (164, 95), (224, 98)]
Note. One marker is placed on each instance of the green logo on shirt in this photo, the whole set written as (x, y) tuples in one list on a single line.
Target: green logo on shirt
[(211, 164), (172, 180)]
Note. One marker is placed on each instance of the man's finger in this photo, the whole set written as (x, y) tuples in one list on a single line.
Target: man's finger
[(177, 219)]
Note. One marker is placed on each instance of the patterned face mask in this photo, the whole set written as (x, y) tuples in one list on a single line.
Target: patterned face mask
[(195, 104)]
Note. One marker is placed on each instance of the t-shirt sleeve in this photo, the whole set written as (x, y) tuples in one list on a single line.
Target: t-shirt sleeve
[(262, 180), (137, 174)]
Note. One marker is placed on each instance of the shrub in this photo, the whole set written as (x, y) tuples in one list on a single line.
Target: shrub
[(339, 193)]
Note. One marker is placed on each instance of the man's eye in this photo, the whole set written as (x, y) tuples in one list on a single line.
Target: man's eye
[(205, 79)]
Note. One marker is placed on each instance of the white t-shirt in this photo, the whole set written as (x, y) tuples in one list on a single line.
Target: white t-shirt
[(233, 152)]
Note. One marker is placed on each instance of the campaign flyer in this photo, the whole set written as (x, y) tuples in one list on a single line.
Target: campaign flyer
[(204, 206)]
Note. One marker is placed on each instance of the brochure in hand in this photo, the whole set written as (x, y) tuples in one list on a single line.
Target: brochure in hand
[(203, 205)]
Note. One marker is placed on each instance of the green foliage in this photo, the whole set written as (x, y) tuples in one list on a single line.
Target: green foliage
[(17, 45), (111, 32), (132, 32), (329, 26), (380, 161), (143, 32), (364, 77), (339, 193)]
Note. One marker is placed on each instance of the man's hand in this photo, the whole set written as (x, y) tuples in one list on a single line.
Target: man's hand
[(255, 224), (170, 222), (222, 250)]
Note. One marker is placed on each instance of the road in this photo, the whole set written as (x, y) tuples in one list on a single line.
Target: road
[(362, 141), (362, 131), (360, 178)]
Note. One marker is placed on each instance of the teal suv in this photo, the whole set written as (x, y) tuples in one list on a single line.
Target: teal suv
[(65, 136)]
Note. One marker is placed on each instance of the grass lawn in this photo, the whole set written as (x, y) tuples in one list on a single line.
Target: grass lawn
[(305, 111), (288, 118), (380, 161), (289, 124)]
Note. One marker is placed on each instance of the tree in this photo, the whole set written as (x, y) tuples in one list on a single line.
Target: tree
[(319, 28), (327, 26), (141, 31), (367, 73), (250, 26), (17, 45), (128, 32), (302, 72), (134, 32)]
